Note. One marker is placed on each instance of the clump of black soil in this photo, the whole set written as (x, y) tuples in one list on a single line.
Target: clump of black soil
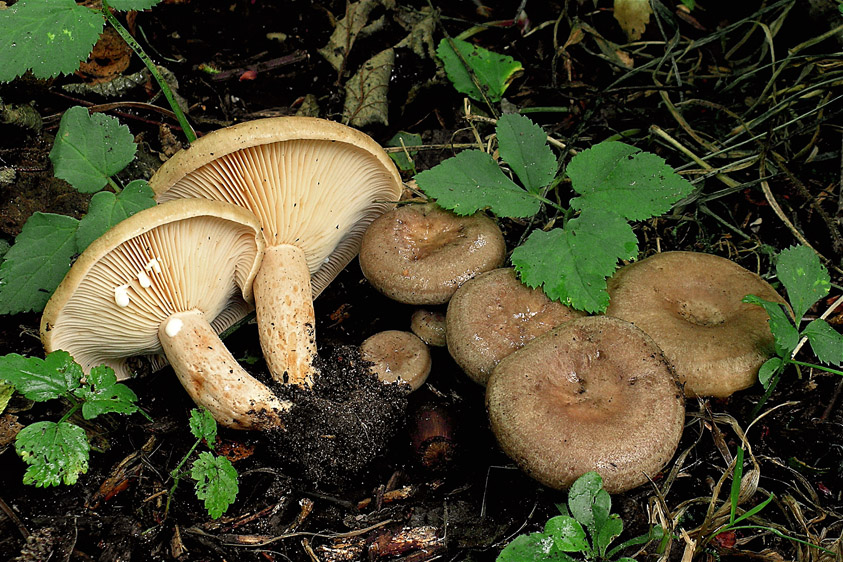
[(344, 423)]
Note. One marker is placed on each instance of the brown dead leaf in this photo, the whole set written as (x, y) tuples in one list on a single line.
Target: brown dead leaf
[(633, 15), (109, 58)]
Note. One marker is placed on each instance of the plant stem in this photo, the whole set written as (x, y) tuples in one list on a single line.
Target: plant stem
[(165, 88), (815, 366), (176, 474)]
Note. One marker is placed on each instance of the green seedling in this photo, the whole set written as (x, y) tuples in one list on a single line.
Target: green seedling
[(614, 183), (405, 141), (57, 452), (476, 72), (806, 281), (215, 477), (51, 37), (88, 150), (586, 528)]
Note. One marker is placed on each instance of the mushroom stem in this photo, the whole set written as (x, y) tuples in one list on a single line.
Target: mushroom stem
[(214, 378), (285, 316)]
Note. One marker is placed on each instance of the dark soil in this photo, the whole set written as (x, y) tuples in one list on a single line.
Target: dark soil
[(366, 472)]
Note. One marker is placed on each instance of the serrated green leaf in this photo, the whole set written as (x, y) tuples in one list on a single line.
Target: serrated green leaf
[(471, 181), (784, 332), (55, 453), (493, 71), (616, 177), (103, 394), (41, 379), (107, 209), (4, 247), (129, 5), (401, 159), (535, 547), (90, 148), (768, 369), (568, 535), (37, 262), (571, 264), (203, 426), (803, 276), (49, 37), (826, 342), (523, 145), (216, 482)]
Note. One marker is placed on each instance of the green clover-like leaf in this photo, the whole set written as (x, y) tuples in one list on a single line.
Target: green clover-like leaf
[(103, 394), (55, 453), (523, 145), (216, 482)]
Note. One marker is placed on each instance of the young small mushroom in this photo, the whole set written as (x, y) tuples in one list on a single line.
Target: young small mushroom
[(421, 254), (596, 394), (397, 356), (690, 304), (495, 314), (429, 326), (315, 185), (166, 281)]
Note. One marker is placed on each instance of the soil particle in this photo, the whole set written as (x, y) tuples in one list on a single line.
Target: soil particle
[(348, 419)]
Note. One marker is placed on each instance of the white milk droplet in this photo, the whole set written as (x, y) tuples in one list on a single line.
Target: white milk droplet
[(121, 295), (174, 326)]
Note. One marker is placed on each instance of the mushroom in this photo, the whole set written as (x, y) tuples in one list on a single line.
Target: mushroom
[(166, 281), (690, 304), (429, 326), (315, 185), (495, 314), (595, 394), (421, 253), (397, 356)]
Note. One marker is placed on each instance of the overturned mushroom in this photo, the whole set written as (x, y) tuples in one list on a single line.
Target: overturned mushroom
[(690, 304), (397, 356), (421, 254), (315, 185), (592, 394), (166, 281), (495, 314)]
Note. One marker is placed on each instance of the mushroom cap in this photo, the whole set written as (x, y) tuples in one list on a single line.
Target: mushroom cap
[(596, 394), (429, 326), (313, 183), (495, 314), (191, 254), (690, 304), (421, 254), (397, 356)]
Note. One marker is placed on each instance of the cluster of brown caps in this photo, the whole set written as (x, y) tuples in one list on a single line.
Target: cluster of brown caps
[(566, 393), (260, 215)]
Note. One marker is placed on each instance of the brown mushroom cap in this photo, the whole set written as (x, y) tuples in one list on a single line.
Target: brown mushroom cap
[(165, 281), (315, 185), (690, 304), (495, 314), (429, 326), (593, 394), (421, 254), (397, 356)]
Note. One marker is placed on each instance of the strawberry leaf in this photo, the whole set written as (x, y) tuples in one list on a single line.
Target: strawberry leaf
[(55, 453), (216, 482), (41, 379), (523, 145)]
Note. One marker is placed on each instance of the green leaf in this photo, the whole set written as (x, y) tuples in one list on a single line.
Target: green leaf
[(55, 453), (103, 394), (571, 264), (400, 158), (805, 278), (523, 145), (493, 71), (37, 262), (614, 176), (129, 5), (535, 547), (41, 379), (471, 181), (90, 148), (216, 482), (826, 342), (107, 209), (582, 497), (203, 426), (768, 369), (608, 532), (6, 392), (784, 332), (49, 37), (568, 535)]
